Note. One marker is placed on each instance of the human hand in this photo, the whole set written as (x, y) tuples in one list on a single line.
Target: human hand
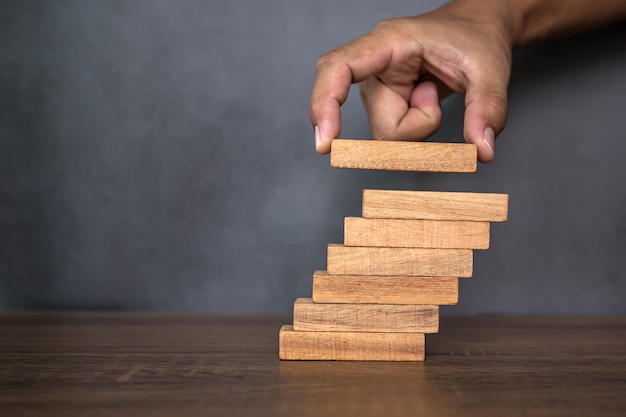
[(405, 66)]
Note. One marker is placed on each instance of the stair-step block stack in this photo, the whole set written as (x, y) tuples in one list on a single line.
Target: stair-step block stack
[(399, 262)]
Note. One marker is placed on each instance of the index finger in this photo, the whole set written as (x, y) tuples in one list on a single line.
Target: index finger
[(336, 71)]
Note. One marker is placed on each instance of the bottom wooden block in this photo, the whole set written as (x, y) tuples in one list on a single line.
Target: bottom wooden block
[(350, 346)]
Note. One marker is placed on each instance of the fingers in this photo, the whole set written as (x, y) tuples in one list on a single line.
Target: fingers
[(390, 60), (336, 71), (401, 115), (330, 91), (485, 114)]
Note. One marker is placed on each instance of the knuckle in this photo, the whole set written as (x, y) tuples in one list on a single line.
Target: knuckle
[(497, 102), (386, 22), (434, 123), (429, 125), (327, 59), (497, 106), (391, 22), (396, 26), (315, 108)]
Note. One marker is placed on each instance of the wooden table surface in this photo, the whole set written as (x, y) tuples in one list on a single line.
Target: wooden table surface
[(130, 364)]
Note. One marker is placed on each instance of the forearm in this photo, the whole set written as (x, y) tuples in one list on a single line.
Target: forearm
[(545, 19), (529, 21)]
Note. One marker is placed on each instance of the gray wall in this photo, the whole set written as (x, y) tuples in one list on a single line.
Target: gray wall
[(158, 155)]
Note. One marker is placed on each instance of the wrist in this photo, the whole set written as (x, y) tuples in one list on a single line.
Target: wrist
[(507, 21), (534, 20), (538, 20)]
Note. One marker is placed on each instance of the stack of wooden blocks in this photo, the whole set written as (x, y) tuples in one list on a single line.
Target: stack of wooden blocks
[(383, 286)]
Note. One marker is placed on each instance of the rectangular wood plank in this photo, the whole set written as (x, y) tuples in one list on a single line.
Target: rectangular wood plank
[(350, 260), (350, 346), (401, 318), (403, 156), (400, 233), (430, 205), (355, 289)]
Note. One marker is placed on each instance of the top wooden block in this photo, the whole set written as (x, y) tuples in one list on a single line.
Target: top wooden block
[(434, 205), (403, 156)]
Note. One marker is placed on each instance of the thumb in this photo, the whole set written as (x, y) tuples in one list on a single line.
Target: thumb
[(485, 115)]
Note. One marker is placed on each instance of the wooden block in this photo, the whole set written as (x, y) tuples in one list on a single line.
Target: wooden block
[(403, 156), (354, 289), (395, 233), (350, 346), (429, 205), (385, 318), (350, 260)]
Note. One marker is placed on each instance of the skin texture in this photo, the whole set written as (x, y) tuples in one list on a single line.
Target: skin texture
[(405, 66)]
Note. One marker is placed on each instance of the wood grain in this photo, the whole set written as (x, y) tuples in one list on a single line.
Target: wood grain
[(398, 233), (403, 156), (430, 205), (354, 289), (129, 364), (350, 346), (344, 260), (386, 318)]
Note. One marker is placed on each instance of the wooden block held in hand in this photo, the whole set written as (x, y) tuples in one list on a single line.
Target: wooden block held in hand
[(399, 233), (430, 205), (345, 260), (354, 289), (315, 317), (350, 346), (403, 156)]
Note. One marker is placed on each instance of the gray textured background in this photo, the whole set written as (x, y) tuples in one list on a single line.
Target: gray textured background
[(158, 155)]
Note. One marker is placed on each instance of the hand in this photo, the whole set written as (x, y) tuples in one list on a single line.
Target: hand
[(406, 66)]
